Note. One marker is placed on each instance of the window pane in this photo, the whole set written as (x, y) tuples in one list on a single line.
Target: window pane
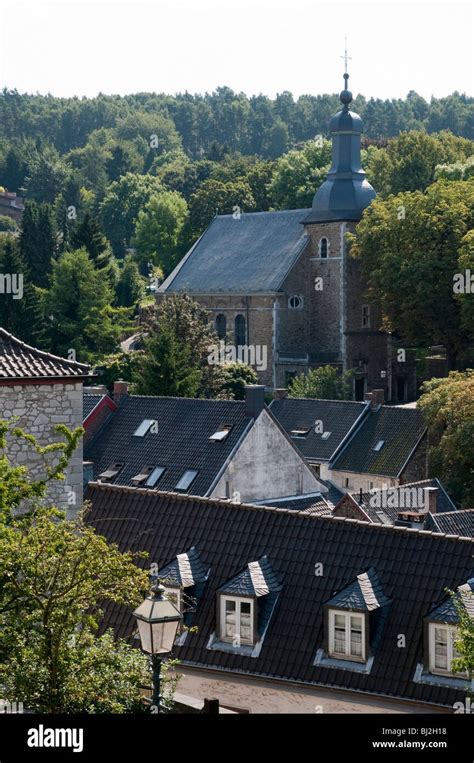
[(340, 621), (356, 643), (441, 648), (230, 619), (356, 623)]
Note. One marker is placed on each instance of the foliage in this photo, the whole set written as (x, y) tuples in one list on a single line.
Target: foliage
[(78, 308), (410, 246), (217, 197), (131, 286), (7, 224), (181, 328), (158, 230), (236, 376), (448, 407), (38, 242), (465, 640), (120, 207), (298, 175), (325, 383)]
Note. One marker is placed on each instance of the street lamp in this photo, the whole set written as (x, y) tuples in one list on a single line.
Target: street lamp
[(158, 621)]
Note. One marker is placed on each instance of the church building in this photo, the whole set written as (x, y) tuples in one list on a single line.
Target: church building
[(283, 289)]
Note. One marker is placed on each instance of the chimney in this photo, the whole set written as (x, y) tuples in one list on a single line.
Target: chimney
[(254, 399), (431, 499), (280, 394), (375, 398), (120, 391)]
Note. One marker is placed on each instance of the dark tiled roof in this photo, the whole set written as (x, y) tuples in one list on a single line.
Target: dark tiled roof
[(365, 593), (337, 417), (257, 579), (245, 256), (20, 361), (446, 611), (185, 569), (89, 402), (410, 496), (399, 428), (181, 443), (452, 522), (300, 503), (414, 569)]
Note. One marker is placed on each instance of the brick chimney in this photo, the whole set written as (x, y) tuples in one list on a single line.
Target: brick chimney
[(120, 391), (280, 394), (375, 398), (431, 499), (254, 399)]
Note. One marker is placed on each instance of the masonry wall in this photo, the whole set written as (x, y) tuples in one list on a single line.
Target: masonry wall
[(38, 408), (360, 481), (266, 466)]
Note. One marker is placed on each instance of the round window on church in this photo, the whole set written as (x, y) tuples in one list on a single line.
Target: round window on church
[(295, 302)]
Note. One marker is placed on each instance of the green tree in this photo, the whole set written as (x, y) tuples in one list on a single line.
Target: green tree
[(324, 383), (236, 376), (88, 235), (158, 230), (410, 245), (7, 224), (38, 242), (410, 160), (182, 326), (298, 174), (464, 642), (78, 305), (122, 203), (19, 310), (131, 286), (448, 407)]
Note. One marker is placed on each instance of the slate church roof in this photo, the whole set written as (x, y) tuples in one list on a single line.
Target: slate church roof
[(406, 570), (248, 255), (19, 361)]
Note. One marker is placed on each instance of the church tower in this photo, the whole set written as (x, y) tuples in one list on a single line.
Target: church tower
[(337, 208)]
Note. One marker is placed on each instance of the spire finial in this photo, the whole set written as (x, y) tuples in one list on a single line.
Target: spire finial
[(346, 95), (346, 58)]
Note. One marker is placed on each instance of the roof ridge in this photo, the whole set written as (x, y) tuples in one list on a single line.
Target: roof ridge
[(42, 353), (183, 498), (175, 397)]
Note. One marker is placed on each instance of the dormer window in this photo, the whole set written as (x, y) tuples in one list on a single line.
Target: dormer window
[(323, 248), (237, 620), (442, 639), (347, 635), (244, 609), (354, 618)]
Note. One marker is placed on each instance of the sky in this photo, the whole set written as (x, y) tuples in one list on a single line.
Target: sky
[(71, 48)]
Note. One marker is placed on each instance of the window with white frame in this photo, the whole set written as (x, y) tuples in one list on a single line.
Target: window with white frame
[(346, 635), (442, 648), (237, 620)]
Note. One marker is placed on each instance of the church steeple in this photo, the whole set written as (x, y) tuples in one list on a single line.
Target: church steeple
[(345, 193)]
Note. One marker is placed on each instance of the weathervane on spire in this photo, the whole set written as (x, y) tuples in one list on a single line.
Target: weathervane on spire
[(345, 56)]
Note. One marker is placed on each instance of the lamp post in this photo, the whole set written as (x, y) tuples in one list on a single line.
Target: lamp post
[(158, 621)]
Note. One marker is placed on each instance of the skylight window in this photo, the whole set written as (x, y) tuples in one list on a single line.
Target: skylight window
[(155, 475), (186, 480), (141, 477), (221, 433), (110, 473), (144, 427), (379, 445), (325, 435), (300, 432)]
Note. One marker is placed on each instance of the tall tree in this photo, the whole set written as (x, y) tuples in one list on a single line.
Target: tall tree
[(38, 241), (323, 383), (158, 230), (88, 235)]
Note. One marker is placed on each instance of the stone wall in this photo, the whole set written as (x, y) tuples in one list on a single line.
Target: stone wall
[(38, 408)]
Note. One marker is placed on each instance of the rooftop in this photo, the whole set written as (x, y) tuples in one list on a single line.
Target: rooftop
[(19, 361)]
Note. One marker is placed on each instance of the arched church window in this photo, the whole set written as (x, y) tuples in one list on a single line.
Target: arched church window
[(323, 248), (239, 331), (295, 302), (221, 325)]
